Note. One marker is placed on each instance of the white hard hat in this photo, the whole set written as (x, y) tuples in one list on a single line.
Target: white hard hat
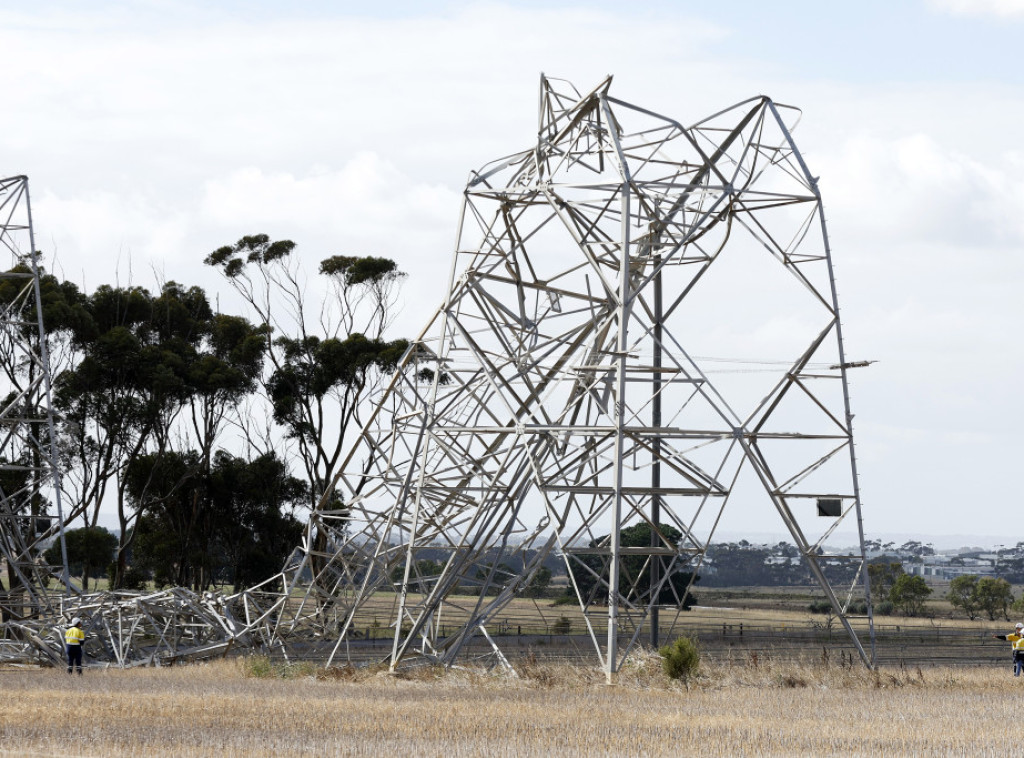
[(76, 621), (1020, 625)]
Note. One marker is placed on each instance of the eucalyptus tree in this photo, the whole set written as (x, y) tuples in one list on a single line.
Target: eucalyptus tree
[(106, 399), (908, 593), (90, 550), (230, 524), (994, 596), (157, 375), (325, 354), (963, 594), (254, 503)]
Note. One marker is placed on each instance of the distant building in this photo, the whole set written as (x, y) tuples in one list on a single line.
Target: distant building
[(945, 567)]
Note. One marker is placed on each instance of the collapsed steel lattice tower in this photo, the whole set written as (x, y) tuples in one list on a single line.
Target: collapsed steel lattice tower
[(30, 508), (558, 401), (559, 396)]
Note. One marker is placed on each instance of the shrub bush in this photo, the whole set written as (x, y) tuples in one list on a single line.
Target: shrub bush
[(681, 659), (258, 667), (856, 608), (562, 626)]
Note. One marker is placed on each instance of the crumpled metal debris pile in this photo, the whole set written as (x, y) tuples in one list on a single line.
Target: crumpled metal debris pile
[(291, 615), (159, 628)]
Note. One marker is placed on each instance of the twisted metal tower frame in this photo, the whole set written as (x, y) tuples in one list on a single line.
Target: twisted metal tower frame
[(557, 398), (565, 396)]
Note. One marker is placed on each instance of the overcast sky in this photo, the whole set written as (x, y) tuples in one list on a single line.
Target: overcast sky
[(154, 132)]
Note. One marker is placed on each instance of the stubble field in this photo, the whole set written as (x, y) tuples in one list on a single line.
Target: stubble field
[(247, 707)]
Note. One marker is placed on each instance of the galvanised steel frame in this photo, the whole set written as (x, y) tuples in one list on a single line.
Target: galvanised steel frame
[(30, 505), (556, 399)]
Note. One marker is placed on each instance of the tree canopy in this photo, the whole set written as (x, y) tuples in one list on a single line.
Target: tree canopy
[(90, 550), (206, 431), (908, 594), (591, 570)]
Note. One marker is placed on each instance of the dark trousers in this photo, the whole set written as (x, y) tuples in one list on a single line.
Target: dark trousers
[(74, 657)]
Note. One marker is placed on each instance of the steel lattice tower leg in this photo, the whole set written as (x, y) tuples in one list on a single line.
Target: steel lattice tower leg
[(30, 497)]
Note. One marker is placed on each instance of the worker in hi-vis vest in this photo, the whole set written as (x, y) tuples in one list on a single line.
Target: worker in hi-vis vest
[(73, 639), (1017, 641)]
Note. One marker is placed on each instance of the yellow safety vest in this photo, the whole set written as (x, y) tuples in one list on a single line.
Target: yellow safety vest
[(74, 636), (1016, 642)]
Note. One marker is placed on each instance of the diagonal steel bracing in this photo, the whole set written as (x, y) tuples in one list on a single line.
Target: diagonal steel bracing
[(30, 505), (568, 396), (557, 399)]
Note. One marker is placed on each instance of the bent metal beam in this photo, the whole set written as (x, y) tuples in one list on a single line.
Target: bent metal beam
[(568, 399)]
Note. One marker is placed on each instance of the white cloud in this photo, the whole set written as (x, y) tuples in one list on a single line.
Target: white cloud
[(99, 237), (368, 207), (997, 8), (418, 89), (367, 198), (927, 245), (913, 188)]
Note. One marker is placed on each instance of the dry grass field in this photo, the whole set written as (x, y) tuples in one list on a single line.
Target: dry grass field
[(249, 707)]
